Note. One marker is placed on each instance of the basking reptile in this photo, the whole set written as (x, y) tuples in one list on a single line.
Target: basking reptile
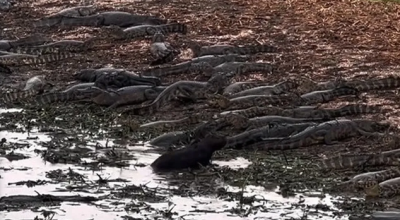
[(191, 89), (116, 78), (70, 94), (56, 18), (329, 133), (256, 111), (367, 180), (6, 45), (10, 97), (255, 135), (26, 59), (162, 51), (58, 46), (220, 49), (108, 18), (390, 82), (262, 100), (171, 138), (241, 67), (358, 109), (327, 95), (141, 31), (193, 64), (241, 86), (273, 119), (123, 96), (276, 89), (386, 189), (356, 160)]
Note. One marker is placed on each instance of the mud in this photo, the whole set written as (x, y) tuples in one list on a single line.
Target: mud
[(75, 161)]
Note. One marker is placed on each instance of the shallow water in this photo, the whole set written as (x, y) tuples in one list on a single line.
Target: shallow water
[(195, 207)]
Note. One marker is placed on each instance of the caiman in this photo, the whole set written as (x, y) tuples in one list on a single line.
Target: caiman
[(327, 95), (256, 111), (58, 46), (367, 180), (57, 17), (190, 156), (241, 68), (123, 96), (276, 89), (194, 65), (255, 135), (191, 89), (107, 18), (34, 40), (142, 31), (358, 160), (220, 49), (386, 189), (114, 78), (161, 50), (70, 94), (171, 139), (262, 100), (391, 82), (273, 119), (329, 133)]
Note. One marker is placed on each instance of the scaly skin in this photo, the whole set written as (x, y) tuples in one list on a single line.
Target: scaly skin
[(108, 18), (354, 160), (141, 31), (326, 95), (221, 49), (262, 100), (57, 18), (17, 96), (191, 89), (256, 111), (390, 82), (276, 89), (367, 180), (242, 68), (70, 94), (255, 135), (25, 59), (273, 119), (114, 78), (386, 189), (162, 51), (34, 40), (238, 87), (190, 66), (325, 133), (58, 46)]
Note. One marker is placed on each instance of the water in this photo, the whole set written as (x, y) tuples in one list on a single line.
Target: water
[(273, 205)]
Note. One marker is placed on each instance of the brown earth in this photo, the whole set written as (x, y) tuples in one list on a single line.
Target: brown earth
[(318, 39)]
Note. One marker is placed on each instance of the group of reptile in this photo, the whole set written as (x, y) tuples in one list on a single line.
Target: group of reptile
[(260, 115)]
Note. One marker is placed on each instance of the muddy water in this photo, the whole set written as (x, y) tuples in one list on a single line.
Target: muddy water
[(195, 207)]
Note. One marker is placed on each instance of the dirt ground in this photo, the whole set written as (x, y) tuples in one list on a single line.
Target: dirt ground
[(320, 39)]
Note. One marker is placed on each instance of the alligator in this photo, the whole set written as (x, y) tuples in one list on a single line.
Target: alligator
[(330, 132), (273, 119), (124, 96), (262, 100), (190, 89), (220, 49), (367, 180), (327, 95), (6, 45), (255, 135), (276, 89), (58, 46), (357, 160), (190, 156), (190, 66), (384, 189), (145, 30), (162, 51), (240, 68), (70, 94), (256, 111), (108, 18), (390, 82), (116, 78)]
